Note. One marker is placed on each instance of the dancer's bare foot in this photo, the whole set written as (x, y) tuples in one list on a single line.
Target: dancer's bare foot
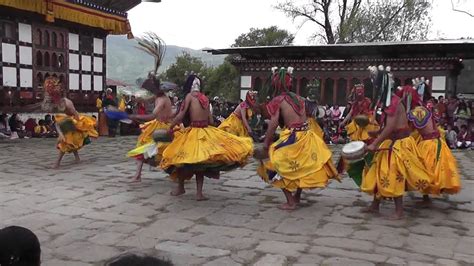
[(77, 161), (370, 209), (55, 166), (425, 203), (136, 179), (287, 207), (396, 216), (201, 197), (135, 176), (177, 192)]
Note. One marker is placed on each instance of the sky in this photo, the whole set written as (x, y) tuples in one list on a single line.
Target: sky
[(216, 24)]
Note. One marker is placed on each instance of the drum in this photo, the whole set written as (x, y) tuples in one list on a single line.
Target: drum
[(162, 135), (361, 120), (321, 112), (354, 151)]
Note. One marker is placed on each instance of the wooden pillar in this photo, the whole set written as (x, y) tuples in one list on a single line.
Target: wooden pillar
[(335, 89), (298, 85)]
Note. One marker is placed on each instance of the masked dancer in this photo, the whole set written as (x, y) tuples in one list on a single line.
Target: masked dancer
[(396, 165), (238, 122), (201, 149), (74, 129), (299, 159), (147, 149)]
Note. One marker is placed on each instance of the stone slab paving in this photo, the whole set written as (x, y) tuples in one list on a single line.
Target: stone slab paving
[(84, 214)]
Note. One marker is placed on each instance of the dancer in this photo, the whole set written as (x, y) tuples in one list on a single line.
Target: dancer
[(238, 122), (360, 107), (147, 150), (434, 152), (396, 164), (299, 159), (74, 129), (201, 149)]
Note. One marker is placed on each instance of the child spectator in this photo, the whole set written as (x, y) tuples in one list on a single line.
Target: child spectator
[(41, 130), (464, 140), (451, 136)]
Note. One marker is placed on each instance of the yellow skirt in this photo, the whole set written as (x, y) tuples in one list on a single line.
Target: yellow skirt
[(234, 125), (298, 160), (391, 171), (355, 132), (84, 129), (438, 158), (205, 150), (146, 147), (314, 126)]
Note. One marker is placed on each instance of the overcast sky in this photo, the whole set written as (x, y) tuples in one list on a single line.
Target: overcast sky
[(217, 23)]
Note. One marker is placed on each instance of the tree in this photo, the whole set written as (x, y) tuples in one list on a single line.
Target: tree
[(362, 20), (264, 37), (185, 63), (223, 80)]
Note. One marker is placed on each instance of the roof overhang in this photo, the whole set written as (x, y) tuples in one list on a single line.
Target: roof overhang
[(463, 49)]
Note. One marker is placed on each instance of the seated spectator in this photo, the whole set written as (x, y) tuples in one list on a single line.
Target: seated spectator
[(19, 247), (30, 125), (135, 260), (451, 136), (16, 127), (464, 140), (41, 130)]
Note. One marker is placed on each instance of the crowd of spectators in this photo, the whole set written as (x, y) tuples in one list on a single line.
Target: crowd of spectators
[(13, 127)]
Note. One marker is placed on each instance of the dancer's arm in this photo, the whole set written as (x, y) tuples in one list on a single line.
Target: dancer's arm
[(390, 126), (149, 117), (272, 126)]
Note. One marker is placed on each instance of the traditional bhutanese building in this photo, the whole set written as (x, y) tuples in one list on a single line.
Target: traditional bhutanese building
[(339, 66), (62, 38)]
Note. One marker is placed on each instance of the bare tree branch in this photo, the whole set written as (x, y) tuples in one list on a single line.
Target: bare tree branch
[(385, 25), (461, 11)]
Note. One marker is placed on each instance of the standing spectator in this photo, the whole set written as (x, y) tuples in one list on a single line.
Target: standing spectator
[(141, 109), (4, 125), (346, 110), (462, 114), (132, 105), (103, 129), (327, 115), (450, 109), (335, 115), (110, 100)]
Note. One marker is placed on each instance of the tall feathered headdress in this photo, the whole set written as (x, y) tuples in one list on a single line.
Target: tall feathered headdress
[(153, 45), (383, 81)]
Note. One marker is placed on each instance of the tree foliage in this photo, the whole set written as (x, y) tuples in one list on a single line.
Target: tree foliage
[(264, 37), (343, 21), (223, 80)]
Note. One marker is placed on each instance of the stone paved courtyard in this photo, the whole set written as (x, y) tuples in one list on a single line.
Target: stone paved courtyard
[(86, 213)]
